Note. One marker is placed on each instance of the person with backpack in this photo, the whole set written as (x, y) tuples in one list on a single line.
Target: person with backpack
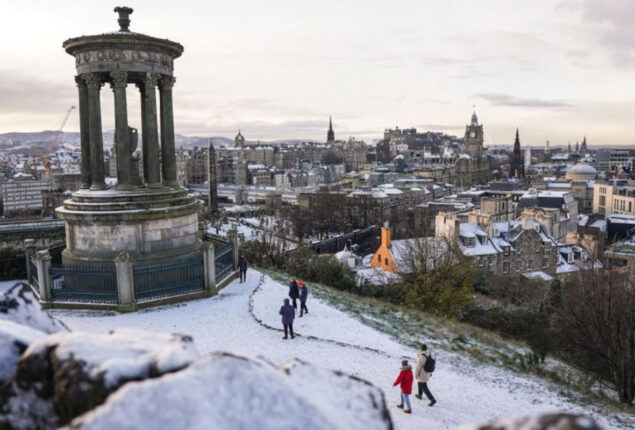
[(294, 292), (304, 294), (404, 380), (423, 371), (288, 315)]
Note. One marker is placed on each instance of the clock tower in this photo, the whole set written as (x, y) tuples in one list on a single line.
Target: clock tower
[(474, 138)]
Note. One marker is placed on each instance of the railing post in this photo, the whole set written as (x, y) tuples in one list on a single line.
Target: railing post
[(209, 260), (44, 277), (125, 283), (29, 251), (233, 237)]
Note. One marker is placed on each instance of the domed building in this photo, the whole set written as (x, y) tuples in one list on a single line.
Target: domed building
[(582, 172)]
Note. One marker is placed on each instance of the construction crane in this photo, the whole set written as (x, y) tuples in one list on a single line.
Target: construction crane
[(53, 142)]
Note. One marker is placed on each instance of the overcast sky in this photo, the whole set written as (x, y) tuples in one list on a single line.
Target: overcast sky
[(277, 69)]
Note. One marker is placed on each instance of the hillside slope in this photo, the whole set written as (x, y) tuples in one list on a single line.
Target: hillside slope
[(466, 392)]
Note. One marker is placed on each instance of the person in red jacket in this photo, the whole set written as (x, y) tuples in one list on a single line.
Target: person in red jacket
[(405, 379)]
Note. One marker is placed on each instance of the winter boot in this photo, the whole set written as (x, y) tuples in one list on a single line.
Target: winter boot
[(432, 403), (285, 337), (400, 406), (418, 396), (407, 411)]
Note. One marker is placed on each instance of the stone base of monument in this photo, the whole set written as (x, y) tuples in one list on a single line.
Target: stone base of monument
[(149, 224)]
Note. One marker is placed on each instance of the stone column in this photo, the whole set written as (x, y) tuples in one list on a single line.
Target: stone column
[(122, 146), (29, 252), (84, 132), (44, 277), (210, 268), (125, 283), (144, 132), (152, 170), (94, 83), (168, 155)]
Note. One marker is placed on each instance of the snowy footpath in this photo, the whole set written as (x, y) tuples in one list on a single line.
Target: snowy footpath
[(334, 340)]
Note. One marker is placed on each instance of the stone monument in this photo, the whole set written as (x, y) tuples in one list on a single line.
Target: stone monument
[(151, 218)]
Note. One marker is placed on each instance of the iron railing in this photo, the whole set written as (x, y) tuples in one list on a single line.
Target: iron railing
[(83, 283), (223, 261), (181, 276)]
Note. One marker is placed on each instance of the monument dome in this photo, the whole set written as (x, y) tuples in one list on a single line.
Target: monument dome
[(582, 172)]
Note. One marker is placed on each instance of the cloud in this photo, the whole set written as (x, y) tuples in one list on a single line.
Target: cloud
[(609, 23), (500, 99), (21, 93)]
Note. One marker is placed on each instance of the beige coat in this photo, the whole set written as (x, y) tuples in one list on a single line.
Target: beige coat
[(420, 374)]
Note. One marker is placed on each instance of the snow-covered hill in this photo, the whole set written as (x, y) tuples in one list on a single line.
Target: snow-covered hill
[(331, 339)]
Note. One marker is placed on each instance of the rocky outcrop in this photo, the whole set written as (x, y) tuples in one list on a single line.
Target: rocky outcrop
[(19, 304), (225, 391), (66, 374), (14, 340), (556, 421)]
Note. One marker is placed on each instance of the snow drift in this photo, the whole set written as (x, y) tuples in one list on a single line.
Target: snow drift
[(226, 391), (14, 340)]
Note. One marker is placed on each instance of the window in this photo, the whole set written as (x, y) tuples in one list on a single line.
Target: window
[(602, 200), (538, 247), (379, 258), (506, 250), (505, 267), (386, 262), (517, 266), (481, 261), (630, 207), (545, 262)]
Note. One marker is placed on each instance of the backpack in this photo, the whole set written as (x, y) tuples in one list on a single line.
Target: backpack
[(429, 364)]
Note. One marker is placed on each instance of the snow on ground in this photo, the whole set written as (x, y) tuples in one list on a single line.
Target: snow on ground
[(224, 391), (465, 393)]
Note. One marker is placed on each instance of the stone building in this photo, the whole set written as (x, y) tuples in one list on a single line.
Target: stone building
[(617, 197), (22, 193), (505, 248)]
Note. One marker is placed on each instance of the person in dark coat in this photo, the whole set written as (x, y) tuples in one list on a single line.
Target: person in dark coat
[(304, 294), (242, 266), (404, 380), (294, 292), (288, 315)]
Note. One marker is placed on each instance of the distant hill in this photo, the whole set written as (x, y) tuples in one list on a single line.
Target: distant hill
[(28, 143)]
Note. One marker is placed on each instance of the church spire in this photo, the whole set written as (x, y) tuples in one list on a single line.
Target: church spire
[(330, 135)]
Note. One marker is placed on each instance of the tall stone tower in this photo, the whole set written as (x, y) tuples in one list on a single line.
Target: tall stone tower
[(517, 164), (583, 146), (241, 165), (474, 138), (330, 135), (212, 180)]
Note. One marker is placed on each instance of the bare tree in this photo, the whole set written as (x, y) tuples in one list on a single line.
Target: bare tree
[(595, 319)]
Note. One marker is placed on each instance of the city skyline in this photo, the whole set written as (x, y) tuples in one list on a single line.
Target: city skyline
[(559, 70)]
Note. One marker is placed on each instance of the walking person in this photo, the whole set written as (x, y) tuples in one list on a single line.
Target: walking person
[(294, 292), (404, 380), (242, 266), (304, 294), (288, 315), (423, 372)]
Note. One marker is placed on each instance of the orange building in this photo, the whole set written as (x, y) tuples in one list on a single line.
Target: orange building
[(383, 259)]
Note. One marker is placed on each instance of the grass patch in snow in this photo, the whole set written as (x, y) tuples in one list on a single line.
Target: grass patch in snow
[(410, 327)]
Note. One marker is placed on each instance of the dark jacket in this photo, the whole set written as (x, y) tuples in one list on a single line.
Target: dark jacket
[(405, 380), (294, 293), (304, 293), (287, 312), (242, 264)]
